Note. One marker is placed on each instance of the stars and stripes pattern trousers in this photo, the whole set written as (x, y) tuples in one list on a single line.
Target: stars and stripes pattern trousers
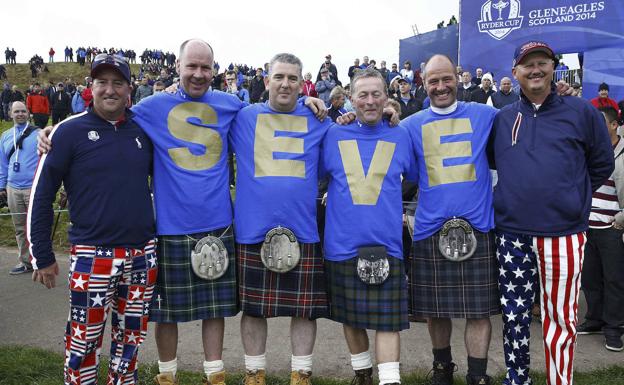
[(121, 279), (552, 264)]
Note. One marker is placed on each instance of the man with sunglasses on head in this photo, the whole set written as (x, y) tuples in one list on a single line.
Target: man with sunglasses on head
[(104, 160), (550, 153)]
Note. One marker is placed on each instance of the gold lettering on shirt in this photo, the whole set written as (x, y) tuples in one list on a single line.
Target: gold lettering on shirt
[(436, 152), (365, 189), (179, 127), (266, 144)]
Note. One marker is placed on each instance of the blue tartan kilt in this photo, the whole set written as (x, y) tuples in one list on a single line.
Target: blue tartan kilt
[(441, 288), (180, 295), (359, 305)]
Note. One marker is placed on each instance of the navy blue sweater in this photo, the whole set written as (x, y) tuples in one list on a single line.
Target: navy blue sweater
[(104, 168), (545, 181)]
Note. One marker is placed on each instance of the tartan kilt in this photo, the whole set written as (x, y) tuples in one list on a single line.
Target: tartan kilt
[(441, 288), (297, 293), (180, 295), (359, 305)]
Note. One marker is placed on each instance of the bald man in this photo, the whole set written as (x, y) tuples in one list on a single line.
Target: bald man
[(506, 95)]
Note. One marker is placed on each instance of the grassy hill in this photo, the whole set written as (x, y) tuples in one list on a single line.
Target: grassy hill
[(20, 73)]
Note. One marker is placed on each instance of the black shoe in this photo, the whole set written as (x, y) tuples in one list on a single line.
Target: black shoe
[(613, 340), (589, 327), (478, 380), (442, 373), (363, 377)]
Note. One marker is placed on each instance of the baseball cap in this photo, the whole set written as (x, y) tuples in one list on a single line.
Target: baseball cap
[(401, 79), (113, 62), (530, 47)]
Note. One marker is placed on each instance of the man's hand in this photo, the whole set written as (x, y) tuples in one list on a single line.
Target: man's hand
[(392, 115), (3, 195), (564, 89), (44, 144), (47, 275), (317, 106), (345, 119), (172, 89)]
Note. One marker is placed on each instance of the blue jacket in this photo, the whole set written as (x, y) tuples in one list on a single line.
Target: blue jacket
[(105, 169), (545, 180), (26, 156), (78, 103)]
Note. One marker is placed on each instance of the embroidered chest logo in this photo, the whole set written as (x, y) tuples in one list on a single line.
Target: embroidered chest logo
[(138, 142), (93, 136)]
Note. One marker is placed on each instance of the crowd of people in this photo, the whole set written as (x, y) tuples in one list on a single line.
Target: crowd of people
[(477, 247)]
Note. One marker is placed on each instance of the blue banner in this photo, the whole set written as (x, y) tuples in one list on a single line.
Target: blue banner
[(490, 30), (604, 65), (417, 49)]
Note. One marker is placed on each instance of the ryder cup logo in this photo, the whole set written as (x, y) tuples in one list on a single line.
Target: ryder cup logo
[(500, 17)]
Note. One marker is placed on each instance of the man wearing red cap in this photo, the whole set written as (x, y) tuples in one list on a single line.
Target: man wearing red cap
[(550, 153)]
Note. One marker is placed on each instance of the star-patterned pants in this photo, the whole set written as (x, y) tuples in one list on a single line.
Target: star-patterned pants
[(554, 262), (100, 279)]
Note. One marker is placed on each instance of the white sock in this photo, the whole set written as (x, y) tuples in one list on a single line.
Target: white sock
[(211, 367), (168, 366), (255, 362), (389, 373), (301, 363), (361, 361)]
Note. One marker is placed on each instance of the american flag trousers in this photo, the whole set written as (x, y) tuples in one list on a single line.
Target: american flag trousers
[(121, 279), (553, 263)]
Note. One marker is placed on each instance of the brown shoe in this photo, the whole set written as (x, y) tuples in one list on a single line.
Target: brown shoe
[(255, 377), (363, 377), (166, 378), (217, 378), (300, 377)]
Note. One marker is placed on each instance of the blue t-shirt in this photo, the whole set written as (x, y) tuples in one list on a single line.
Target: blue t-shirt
[(364, 207), (454, 177), (277, 158), (191, 189)]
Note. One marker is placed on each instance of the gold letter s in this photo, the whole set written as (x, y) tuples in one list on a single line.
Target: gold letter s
[(181, 129)]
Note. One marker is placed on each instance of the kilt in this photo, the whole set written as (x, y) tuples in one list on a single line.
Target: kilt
[(441, 288), (180, 295), (297, 293), (376, 307)]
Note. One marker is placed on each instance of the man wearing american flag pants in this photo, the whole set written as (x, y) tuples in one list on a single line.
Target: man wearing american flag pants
[(550, 153), (104, 159)]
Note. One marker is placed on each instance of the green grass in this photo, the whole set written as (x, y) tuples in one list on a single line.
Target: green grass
[(20, 73), (30, 366)]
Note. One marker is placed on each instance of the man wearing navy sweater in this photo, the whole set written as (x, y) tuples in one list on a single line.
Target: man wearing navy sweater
[(104, 159), (550, 153)]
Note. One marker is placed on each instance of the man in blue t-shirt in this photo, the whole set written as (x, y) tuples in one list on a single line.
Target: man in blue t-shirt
[(449, 141), (277, 146), (365, 161)]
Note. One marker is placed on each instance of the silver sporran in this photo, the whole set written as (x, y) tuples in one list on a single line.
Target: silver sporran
[(373, 266), (457, 240), (209, 258), (280, 251)]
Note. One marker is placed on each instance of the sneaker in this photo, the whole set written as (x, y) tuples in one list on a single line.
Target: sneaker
[(478, 380), (217, 378), (589, 327), (613, 340), (442, 373), (166, 378), (363, 377), (21, 269), (255, 377), (300, 377)]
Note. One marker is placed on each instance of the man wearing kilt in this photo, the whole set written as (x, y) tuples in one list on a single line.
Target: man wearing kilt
[(453, 270), (277, 146), (363, 239)]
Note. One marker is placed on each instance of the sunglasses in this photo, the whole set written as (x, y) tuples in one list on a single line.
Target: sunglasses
[(110, 59)]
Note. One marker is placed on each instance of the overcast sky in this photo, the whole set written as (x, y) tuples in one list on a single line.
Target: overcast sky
[(239, 31)]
